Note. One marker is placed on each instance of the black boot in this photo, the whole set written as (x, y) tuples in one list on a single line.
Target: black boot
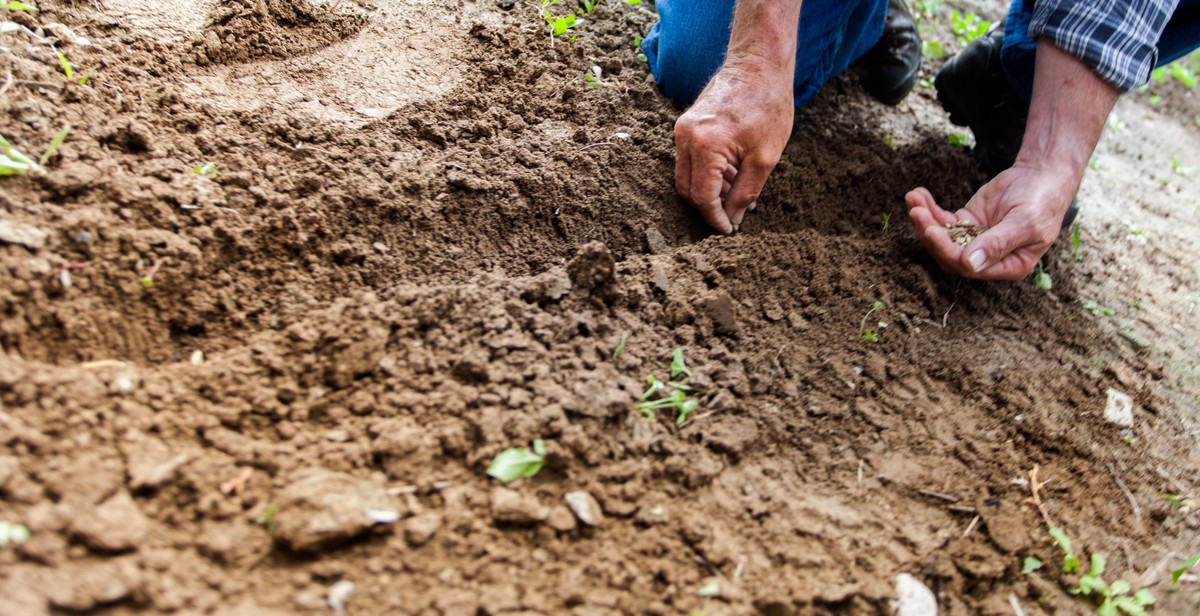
[(974, 90), (889, 70)]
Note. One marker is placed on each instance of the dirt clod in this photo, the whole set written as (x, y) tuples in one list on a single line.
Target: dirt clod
[(322, 507), (592, 267), (419, 529), (117, 525), (512, 507)]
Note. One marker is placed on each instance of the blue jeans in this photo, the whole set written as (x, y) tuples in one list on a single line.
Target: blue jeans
[(687, 45), (1181, 37)]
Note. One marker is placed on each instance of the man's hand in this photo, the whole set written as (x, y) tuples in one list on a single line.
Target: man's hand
[(1022, 210), (729, 141)]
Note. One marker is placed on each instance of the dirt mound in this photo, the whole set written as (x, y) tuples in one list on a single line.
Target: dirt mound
[(247, 30), (265, 348)]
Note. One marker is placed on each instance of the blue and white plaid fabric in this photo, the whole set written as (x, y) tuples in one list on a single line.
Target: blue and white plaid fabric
[(1116, 38)]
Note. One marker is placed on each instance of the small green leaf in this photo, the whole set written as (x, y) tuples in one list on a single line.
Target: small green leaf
[(678, 366), (1119, 587), (55, 144), (1144, 597), (267, 518), (66, 66), (1070, 561), (19, 6), (1031, 564), (517, 462), (620, 347), (13, 533), (1098, 565), (1178, 572), (1041, 279), (932, 49), (685, 409)]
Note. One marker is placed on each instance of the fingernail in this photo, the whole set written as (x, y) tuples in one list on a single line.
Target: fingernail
[(977, 260), (735, 227), (752, 206)]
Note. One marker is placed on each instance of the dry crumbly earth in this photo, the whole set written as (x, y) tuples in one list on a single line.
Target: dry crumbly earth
[(423, 240)]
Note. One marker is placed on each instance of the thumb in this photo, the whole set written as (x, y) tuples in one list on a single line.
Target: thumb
[(993, 245)]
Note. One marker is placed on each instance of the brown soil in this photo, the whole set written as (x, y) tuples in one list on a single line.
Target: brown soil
[(424, 238)]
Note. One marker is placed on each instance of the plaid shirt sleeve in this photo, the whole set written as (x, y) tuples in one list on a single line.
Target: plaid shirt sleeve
[(1116, 38)]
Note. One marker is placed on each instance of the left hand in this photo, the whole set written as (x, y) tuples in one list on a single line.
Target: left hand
[(1022, 211)]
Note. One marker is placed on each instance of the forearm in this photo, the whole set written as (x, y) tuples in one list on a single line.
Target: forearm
[(1067, 115), (764, 36)]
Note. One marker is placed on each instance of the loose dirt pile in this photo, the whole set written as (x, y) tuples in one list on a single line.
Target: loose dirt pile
[(306, 268)]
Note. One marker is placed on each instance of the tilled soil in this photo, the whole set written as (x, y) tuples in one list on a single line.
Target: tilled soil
[(424, 239)]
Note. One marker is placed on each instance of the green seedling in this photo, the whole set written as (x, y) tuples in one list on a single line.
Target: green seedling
[(205, 170), (559, 25), (518, 462), (267, 518), (1174, 500), (1075, 242), (1070, 560), (960, 140), (55, 144), (12, 161), (927, 8), (1041, 279), (1137, 233), (887, 218), (589, 6), (148, 279), (932, 49), (1115, 124), (1155, 99), (678, 366), (1093, 164), (12, 533), (927, 84), (620, 348), (1116, 597), (1183, 568), (967, 27), (1030, 564), (69, 70), (1178, 168), (1098, 310), (677, 390), (594, 79), (637, 47), (20, 6), (869, 334)]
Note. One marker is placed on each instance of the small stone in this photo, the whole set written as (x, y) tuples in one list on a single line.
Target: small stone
[(85, 587), (83, 237), (655, 242), (117, 525), (1119, 409), (380, 247), (124, 381), (913, 598), (419, 529), (512, 507), (560, 519), (323, 507), (15, 232), (585, 507), (339, 594), (660, 277)]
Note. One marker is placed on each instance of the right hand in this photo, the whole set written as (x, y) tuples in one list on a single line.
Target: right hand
[(728, 143)]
